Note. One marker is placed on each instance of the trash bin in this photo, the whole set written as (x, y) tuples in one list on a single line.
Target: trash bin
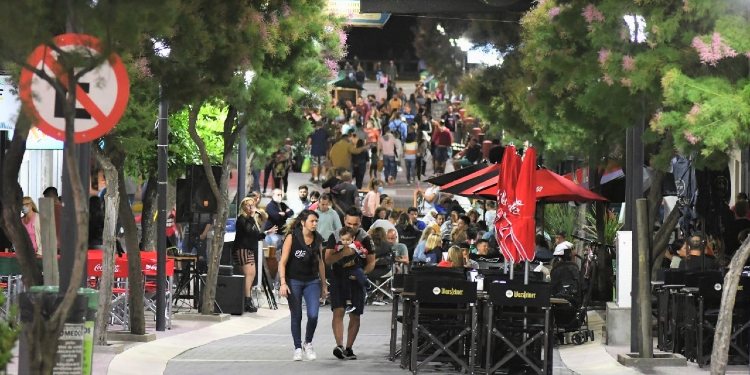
[(70, 343), (92, 296)]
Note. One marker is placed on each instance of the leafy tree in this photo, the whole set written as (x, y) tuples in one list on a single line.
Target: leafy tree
[(212, 53), (28, 24)]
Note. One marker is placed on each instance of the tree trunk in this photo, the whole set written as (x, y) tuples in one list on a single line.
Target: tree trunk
[(148, 225), (43, 330), (111, 201), (722, 336), (222, 198), (661, 238), (135, 278)]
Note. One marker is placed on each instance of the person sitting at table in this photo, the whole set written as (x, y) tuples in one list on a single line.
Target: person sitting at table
[(246, 239), (565, 279), (696, 259), (455, 258)]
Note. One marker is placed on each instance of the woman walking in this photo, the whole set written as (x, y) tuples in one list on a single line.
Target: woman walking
[(246, 240), (302, 274)]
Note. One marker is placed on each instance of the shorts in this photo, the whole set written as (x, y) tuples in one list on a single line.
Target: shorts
[(441, 154), (242, 257), (317, 161), (340, 292)]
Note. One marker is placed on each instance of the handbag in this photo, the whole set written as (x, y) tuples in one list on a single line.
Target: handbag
[(306, 165)]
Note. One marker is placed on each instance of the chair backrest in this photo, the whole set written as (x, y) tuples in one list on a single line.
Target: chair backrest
[(674, 277), (710, 285), (409, 283), (442, 290), (742, 300), (492, 275), (517, 294)]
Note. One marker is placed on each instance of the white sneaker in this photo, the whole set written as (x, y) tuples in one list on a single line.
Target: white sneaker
[(297, 354), (309, 351)]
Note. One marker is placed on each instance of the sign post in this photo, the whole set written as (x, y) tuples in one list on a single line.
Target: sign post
[(101, 98)]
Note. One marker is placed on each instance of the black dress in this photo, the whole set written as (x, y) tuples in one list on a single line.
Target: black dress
[(246, 240)]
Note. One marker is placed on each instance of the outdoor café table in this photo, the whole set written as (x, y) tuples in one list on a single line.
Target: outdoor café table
[(188, 271), (148, 267)]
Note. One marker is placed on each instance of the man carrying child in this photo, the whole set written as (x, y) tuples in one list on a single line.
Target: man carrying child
[(345, 262)]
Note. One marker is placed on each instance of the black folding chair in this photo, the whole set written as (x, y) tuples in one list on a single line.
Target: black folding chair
[(533, 326), (444, 322)]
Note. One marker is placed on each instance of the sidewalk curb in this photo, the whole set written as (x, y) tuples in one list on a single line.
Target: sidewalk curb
[(218, 318)]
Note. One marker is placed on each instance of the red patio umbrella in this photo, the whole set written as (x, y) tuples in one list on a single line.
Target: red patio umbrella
[(458, 185), (458, 173), (524, 224), (508, 208), (550, 187)]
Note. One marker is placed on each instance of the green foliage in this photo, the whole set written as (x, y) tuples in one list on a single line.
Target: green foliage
[(611, 226), (182, 149), (560, 218), (9, 331)]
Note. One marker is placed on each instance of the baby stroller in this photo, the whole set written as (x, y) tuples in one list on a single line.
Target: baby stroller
[(569, 312)]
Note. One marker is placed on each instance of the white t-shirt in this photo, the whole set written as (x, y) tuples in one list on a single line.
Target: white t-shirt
[(386, 225)]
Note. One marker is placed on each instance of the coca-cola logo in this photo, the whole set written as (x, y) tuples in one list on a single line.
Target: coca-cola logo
[(151, 267), (98, 267)]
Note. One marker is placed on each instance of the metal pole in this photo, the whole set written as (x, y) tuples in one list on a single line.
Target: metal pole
[(69, 227), (634, 191), (161, 224), (645, 342), (241, 169)]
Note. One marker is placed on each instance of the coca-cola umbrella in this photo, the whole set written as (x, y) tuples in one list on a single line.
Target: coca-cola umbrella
[(452, 176), (550, 187)]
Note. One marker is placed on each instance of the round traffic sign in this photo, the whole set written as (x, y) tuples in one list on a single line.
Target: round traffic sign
[(101, 94)]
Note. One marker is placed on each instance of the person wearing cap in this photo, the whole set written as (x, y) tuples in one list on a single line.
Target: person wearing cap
[(560, 249)]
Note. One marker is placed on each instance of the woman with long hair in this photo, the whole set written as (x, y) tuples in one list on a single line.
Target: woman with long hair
[(302, 275), (249, 232), (370, 203), (455, 258), (30, 220)]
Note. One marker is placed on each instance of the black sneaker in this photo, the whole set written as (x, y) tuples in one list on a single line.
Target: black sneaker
[(349, 354), (338, 351)]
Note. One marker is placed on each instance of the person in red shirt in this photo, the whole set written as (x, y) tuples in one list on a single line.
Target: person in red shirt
[(442, 139), (455, 258)]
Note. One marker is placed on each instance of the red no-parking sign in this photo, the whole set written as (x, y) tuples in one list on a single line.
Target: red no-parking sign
[(101, 94)]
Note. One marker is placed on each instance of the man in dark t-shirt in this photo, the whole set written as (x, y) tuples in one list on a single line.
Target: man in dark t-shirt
[(336, 260), (318, 142)]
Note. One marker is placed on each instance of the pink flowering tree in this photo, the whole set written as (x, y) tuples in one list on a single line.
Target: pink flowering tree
[(685, 66)]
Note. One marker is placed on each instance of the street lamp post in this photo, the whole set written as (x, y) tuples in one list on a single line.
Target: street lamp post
[(161, 190)]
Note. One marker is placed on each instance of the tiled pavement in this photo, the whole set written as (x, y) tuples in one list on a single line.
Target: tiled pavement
[(269, 350)]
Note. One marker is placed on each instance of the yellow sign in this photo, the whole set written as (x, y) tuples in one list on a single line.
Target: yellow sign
[(524, 295)]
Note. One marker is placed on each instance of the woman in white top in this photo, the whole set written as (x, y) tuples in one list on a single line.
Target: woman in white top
[(370, 203), (410, 157)]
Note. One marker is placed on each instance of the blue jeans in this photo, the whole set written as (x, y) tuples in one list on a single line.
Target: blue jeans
[(410, 169), (310, 290), (389, 166)]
